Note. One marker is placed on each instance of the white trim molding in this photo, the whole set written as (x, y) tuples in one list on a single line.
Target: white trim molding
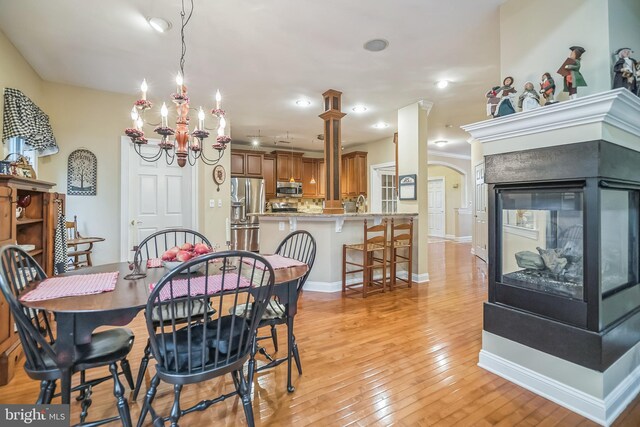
[(327, 287), (602, 411), (450, 155), (618, 108)]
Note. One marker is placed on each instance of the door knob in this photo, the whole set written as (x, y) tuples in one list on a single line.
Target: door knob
[(134, 222)]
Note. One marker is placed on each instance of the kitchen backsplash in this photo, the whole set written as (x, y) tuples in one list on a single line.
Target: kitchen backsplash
[(304, 205)]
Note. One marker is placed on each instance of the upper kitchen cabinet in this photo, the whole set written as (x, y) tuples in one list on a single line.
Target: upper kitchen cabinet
[(309, 177), (354, 174), (269, 175), (288, 165), (246, 163)]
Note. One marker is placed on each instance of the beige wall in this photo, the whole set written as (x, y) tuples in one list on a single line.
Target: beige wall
[(95, 120), (535, 37), (16, 73), (624, 25)]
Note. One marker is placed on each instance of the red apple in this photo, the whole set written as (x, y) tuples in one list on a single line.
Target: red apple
[(184, 256), (174, 249), (201, 249), (187, 247), (168, 256)]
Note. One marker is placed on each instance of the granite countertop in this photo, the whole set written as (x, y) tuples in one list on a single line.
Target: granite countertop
[(323, 215)]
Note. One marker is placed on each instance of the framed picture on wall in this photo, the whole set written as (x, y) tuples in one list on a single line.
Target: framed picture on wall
[(407, 187), (82, 173)]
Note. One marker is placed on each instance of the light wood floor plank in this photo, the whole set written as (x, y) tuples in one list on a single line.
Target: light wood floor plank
[(406, 358)]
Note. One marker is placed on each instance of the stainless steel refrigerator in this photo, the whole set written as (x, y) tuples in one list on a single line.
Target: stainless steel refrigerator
[(247, 199)]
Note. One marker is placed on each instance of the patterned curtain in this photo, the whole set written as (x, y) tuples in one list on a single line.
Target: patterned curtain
[(22, 118)]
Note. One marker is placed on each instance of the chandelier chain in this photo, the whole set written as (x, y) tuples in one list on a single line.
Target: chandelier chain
[(185, 20)]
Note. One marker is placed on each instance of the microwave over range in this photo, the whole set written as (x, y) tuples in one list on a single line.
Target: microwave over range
[(288, 189)]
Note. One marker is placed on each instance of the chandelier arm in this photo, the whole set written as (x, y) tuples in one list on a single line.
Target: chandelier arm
[(153, 158), (211, 162)]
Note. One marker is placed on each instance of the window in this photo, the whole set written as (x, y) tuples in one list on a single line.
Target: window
[(16, 145), (388, 187)]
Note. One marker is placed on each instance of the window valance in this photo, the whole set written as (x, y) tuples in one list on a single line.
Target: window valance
[(24, 119)]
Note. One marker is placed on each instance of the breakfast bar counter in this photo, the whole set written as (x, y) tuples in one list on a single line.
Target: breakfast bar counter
[(330, 231)]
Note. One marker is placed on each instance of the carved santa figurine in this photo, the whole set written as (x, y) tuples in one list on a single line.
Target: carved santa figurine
[(625, 71), (570, 71)]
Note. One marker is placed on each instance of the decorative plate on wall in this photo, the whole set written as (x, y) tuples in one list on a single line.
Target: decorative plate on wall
[(82, 173)]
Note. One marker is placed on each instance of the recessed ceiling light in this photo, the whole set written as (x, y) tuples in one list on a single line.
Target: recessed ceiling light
[(303, 102), (448, 126), (255, 142), (441, 84), (359, 109), (159, 24), (376, 45), (441, 143), (381, 125)]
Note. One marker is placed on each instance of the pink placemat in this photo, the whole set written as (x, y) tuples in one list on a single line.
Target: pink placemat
[(278, 262), (71, 286), (154, 262), (181, 286)]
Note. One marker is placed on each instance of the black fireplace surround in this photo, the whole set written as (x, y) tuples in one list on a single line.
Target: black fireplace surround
[(564, 250)]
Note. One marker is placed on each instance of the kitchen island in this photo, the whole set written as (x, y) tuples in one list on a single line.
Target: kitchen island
[(330, 231)]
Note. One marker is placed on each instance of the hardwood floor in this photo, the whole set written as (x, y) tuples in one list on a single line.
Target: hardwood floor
[(405, 358)]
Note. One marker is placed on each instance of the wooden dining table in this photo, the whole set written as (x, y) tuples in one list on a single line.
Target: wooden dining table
[(77, 317)]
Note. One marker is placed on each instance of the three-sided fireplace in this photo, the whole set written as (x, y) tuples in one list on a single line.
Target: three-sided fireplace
[(564, 250)]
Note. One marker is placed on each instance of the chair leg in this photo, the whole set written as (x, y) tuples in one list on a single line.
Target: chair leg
[(126, 369), (175, 409), (141, 371), (83, 379), (274, 337), (251, 366), (51, 390), (245, 395), (410, 265), (296, 356), (344, 269), (151, 394), (365, 274), (118, 392), (43, 391), (86, 403)]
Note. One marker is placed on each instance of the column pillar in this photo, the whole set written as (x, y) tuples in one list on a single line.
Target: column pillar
[(412, 159), (332, 150)]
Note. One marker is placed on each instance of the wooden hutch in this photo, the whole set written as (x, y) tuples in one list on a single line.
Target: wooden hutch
[(35, 227)]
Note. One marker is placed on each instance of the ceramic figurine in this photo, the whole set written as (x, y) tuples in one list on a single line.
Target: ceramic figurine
[(492, 101), (625, 71), (529, 100), (548, 89), (570, 71), (506, 91)]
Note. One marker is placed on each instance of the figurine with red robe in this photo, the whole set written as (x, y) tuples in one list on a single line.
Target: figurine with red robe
[(548, 88)]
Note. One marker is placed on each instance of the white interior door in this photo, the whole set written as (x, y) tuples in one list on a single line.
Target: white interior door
[(436, 203), (481, 231), (159, 196)]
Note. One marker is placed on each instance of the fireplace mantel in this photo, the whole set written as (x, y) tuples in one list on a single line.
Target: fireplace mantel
[(611, 116)]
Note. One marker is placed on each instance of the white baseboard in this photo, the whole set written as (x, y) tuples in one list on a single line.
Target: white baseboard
[(473, 250), (315, 286), (601, 411), (450, 236), (463, 239)]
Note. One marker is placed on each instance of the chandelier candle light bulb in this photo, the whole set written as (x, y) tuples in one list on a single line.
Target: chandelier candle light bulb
[(218, 99), (164, 112), (143, 88), (179, 82), (201, 119)]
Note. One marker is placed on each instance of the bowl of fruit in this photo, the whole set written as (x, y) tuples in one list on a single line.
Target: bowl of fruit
[(177, 255)]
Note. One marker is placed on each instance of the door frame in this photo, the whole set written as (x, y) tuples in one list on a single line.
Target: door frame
[(444, 204), (125, 142)]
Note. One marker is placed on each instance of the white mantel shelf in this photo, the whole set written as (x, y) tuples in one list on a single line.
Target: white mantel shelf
[(613, 116)]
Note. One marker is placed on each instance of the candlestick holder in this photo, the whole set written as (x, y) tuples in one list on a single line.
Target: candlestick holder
[(135, 274), (228, 266)]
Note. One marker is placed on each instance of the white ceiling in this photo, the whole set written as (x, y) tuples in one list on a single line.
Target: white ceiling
[(264, 55)]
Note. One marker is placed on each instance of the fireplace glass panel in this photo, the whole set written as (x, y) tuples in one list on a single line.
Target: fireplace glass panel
[(542, 241), (618, 239)]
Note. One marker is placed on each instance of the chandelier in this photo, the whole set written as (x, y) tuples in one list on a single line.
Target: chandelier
[(185, 146)]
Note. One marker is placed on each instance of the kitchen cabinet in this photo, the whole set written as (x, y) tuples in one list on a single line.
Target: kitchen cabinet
[(269, 175), (288, 165), (246, 163), (309, 174), (35, 227), (353, 177)]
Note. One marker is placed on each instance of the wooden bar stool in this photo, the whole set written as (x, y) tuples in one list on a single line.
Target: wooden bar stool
[(401, 240), (370, 263)]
